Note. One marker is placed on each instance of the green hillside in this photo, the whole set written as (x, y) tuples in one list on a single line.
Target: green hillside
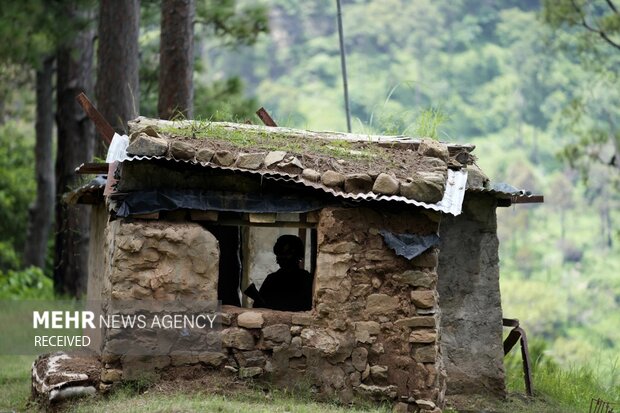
[(530, 97)]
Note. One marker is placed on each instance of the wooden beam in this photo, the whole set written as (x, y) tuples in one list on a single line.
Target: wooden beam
[(103, 127), (264, 116), (92, 168)]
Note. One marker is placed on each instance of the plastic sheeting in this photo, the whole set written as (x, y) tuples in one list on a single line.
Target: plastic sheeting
[(146, 202), (409, 245)]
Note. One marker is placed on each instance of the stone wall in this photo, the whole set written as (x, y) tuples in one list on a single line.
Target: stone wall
[(468, 286), (373, 332)]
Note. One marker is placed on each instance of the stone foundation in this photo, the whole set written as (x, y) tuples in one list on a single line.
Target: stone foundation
[(373, 331)]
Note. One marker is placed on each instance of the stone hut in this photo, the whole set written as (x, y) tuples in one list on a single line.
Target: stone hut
[(400, 237)]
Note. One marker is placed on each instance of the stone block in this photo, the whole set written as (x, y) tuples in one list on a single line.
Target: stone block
[(386, 184), (321, 340), (291, 165), (249, 372), (274, 157), (237, 338), (223, 158), (423, 298), (381, 304), (425, 354), (311, 175), (204, 155), (425, 405), (400, 407), (142, 144), (416, 278), (359, 357), (418, 321), (366, 330), (302, 319), (378, 392), (182, 150), (429, 258), (425, 187), (423, 336), (379, 373), (332, 179), (212, 358), (277, 333), (250, 160), (250, 319), (357, 183), (433, 149)]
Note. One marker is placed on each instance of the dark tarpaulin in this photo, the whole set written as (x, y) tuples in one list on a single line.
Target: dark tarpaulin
[(145, 202), (409, 245)]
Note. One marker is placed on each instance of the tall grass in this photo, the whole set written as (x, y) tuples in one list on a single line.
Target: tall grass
[(570, 387)]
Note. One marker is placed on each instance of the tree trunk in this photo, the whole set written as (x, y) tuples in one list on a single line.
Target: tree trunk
[(75, 145), (40, 212), (118, 89), (176, 59)]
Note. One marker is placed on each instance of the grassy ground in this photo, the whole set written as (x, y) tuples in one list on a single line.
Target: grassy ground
[(558, 391)]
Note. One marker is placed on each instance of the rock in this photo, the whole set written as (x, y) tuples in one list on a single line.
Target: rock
[(355, 378), (332, 179), (359, 357), (111, 375), (251, 358), (377, 349), (223, 158), (250, 319), (423, 298), (419, 321), (386, 184), (296, 330), (365, 330), (277, 333), (433, 149), (212, 358), (249, 372), (320, 340), (366, 372), (274, 157), (379, 373), (423, 336), (204, 155), (311, 175), (425, 404), (378, 392), (332, 376), (237, 338), (400, 407), (432, 165), (376, 282), (302, 319), (425, 354), (295, 347), (381, 304), (182, 150), (476, 178), (250, 160), (357, 183), (291, 165), (425, 187), (415, 278), (142, 144), (333, 284)]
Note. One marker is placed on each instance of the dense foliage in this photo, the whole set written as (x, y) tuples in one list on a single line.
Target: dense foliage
[(530, 95)]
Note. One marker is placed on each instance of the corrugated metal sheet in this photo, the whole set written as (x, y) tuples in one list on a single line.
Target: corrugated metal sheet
[(451, 202), (93, 188)]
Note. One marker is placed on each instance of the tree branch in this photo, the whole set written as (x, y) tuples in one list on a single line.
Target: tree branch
[(612, 6), (585, 24)]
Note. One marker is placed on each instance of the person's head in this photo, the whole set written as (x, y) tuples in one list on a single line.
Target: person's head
[(289, 250)]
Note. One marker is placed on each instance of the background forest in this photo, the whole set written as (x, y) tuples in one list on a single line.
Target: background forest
[(528, 83)]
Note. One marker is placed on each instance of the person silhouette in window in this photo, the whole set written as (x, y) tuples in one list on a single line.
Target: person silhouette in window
[(289, 288)]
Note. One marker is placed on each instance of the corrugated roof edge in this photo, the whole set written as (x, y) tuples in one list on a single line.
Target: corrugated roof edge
[(451, 202)]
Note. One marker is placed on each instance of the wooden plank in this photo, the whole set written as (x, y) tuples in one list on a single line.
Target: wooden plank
[(90, 168), (528, 199), (152, 215), (265, 117), (262, 218), (103, 127), (199, 215)]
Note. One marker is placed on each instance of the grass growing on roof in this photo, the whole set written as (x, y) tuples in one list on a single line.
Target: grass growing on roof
[(262, 139)]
